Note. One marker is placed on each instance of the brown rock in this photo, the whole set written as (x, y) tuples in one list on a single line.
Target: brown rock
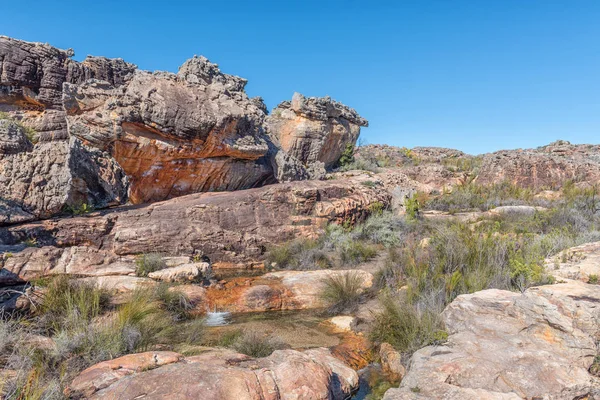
[(391, 362), (220, 375), (230, 228), (315, 130)]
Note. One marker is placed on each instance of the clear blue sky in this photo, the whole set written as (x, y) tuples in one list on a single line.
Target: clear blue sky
[(474, 75)]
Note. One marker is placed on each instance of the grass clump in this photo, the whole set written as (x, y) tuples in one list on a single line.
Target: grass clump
[(341, 291), (86, 329), (407, 328), (255, 344), (149, 262)]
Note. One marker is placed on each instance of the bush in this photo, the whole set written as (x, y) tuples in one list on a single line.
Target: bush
[(175, 302), (407, 328), (256, 345), (342, 291), (150, 262), (355, 252), (68, 304), (347, 156)]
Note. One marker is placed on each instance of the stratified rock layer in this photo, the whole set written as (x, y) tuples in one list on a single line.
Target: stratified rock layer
[(106, 132), (233, 229)]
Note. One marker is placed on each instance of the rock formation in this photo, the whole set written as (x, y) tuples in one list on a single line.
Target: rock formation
[(232, 229), (101, 132), (315, 131), (219, 375)]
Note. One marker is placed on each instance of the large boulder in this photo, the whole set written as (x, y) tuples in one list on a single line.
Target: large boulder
[(315, 130), (506, 345), (219, 375)]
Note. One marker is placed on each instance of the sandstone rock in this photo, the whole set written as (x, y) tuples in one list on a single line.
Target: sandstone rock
[(515, 210), (106, 373), (505, 345), (342, 323), (545, 167), (315, 130), (219, 375), (231, 229), (181, 273), (391, 362), (119, 284), (578, 262)]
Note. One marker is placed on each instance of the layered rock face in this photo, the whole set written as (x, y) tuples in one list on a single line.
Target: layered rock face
[(315, 131), (545, 167), (101, 132), (233, 229), (219, 375)]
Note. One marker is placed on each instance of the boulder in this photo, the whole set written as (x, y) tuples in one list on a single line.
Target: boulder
[(219, 375), (315, 130), (181, 273), (342, 323), (506, 345), (305, 286), (580, 263), (391, 362)]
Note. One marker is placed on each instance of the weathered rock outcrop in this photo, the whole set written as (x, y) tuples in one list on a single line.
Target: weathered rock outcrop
[(314, 131), (545, 167), (506, 345), (233, 229), (105, 127), (101, 132), (219, 375)]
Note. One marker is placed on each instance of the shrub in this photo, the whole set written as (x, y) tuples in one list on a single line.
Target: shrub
[(412, 207), (256, 345), (347, 156), (405, 327), (370, 184), (593, 279), (68, 304), (175, 302), (356, 252), (383, 228), (342, 291), (149, 262)]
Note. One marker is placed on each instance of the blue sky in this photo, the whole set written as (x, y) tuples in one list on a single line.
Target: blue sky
[(474, 75)]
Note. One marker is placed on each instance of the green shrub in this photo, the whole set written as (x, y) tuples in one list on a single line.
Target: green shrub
[(356, 252), (68, 304), (149, 262), (342, 291), (256, 345), (412, 207), (593, 279), (370, 184), (347, 156), (405, 328), (175, 302)]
